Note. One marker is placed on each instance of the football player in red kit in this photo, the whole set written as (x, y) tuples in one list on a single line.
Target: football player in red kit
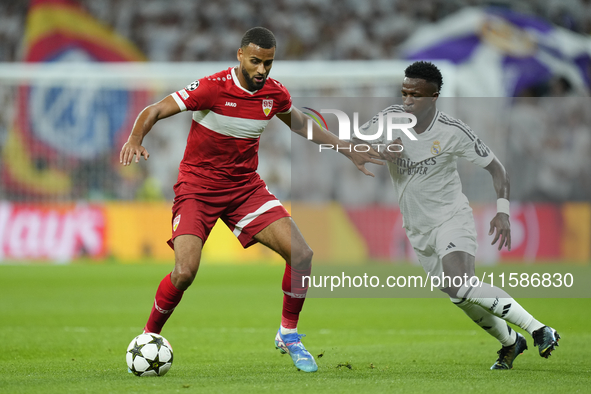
[(218, 179)]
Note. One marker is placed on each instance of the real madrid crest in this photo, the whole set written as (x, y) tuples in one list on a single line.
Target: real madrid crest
[(436, 148), (267, 105)]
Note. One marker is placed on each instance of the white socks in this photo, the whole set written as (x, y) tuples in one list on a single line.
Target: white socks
[(496, 301), (285, 331), (495, 326)]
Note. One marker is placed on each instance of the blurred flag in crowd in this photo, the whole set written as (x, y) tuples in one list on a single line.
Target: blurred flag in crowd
[(501, 53), (59, 129)]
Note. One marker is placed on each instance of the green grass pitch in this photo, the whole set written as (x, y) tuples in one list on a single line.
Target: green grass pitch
[(65, 329)]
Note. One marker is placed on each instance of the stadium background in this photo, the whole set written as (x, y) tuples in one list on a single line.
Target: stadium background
[(74, 75)]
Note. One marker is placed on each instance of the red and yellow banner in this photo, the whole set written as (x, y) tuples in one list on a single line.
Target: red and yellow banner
[(55, 26), (132, 232), (58, 233)]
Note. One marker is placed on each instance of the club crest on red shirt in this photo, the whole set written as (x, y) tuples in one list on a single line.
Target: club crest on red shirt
[(267, 105)]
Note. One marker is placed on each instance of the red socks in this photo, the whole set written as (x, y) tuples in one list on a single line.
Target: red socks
[(167, 298), (295, 295)]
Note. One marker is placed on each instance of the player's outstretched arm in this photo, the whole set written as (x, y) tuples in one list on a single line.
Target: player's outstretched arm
[(142, 126), (500, 225), (298, 123)]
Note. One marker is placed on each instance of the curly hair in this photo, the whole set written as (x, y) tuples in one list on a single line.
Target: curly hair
[(425, 70), (259, 36)]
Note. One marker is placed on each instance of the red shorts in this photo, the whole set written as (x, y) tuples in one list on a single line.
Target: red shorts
[(245, 209)]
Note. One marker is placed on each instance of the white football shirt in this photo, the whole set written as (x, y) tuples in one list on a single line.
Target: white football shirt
[(426, 179)]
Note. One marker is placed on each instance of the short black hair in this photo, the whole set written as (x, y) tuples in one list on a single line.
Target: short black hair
[(425, 70), (259, 36)]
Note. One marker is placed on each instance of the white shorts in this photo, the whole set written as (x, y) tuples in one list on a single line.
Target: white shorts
[(456, 234)]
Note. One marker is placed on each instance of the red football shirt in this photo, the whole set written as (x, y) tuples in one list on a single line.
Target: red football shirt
[(223, 143)]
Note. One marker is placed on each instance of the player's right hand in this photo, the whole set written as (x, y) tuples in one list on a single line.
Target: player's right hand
[(360, 158), (131, 149)]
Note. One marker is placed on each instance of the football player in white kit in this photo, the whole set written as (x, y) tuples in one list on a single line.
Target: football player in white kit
[(437, 216)]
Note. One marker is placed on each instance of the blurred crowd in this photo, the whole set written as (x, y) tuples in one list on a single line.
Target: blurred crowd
[(196, 30), (543, 141), (548, 149)]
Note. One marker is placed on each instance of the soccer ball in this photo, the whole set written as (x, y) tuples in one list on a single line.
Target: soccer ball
[(149, 355)]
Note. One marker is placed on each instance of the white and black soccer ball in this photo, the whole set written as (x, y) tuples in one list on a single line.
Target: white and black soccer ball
[(149, 355)]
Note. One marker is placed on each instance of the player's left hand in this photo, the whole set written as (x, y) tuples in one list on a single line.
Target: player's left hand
[(502, 228)]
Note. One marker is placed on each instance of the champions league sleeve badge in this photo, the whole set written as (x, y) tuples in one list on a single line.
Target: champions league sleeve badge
[(192, 86)]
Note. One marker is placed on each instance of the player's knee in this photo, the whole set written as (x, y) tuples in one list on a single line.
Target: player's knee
[(301, 257), (182, 280), (182, 276)]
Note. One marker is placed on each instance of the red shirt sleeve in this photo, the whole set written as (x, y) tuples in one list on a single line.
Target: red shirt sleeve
[(284, 99), (196, 96)]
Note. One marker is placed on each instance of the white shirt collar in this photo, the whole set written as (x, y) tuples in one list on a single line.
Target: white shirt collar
[(237, 82)]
